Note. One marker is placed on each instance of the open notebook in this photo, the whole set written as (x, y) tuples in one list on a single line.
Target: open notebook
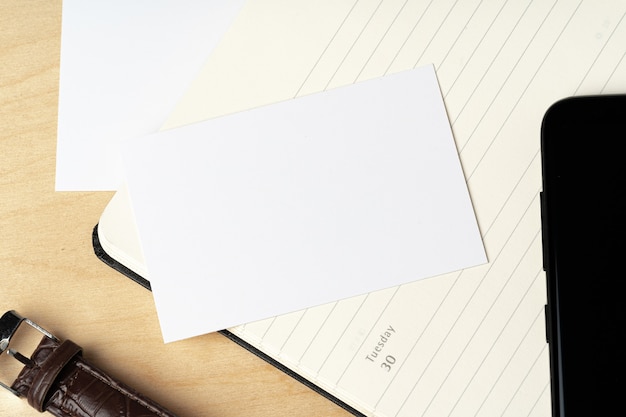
[(473, 342)]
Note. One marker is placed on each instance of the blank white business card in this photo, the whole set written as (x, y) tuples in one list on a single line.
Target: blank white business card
[(301, 203)]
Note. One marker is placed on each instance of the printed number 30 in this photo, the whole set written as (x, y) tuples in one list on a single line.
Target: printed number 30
[(389, 360)]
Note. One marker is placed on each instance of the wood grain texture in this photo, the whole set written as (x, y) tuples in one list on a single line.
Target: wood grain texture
[(49, 273)]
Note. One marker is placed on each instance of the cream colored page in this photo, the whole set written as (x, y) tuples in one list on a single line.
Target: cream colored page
[(266, 53), (464, 344)]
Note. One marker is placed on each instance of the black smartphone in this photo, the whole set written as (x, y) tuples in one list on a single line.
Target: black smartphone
[(583, 145)]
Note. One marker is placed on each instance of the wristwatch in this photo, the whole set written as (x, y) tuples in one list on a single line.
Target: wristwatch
[(56, 378)]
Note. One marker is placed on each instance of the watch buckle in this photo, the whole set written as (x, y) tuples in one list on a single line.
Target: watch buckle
[(9, 323)]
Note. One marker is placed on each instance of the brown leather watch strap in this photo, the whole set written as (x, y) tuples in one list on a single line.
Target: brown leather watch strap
[(60, 381)]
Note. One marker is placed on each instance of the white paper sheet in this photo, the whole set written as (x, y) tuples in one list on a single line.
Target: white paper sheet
[(124, 65), (301, 203)]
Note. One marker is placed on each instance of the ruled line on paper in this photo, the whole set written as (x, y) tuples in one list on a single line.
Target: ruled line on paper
[(482, 321), (539, 397), (613, 73), (486, 355), (385, 34), (317, 332), (421, 334), (467, 303), (343, 332), (443, 21), (343, 22), (493, 260), (369, 21), (487, 71), (469, 176), (409, 36), (458, 36), (284, 342), (610, 37), (517, 184), (499, 92), (541, 352), (272, 320), (368, 335), (480, 42)]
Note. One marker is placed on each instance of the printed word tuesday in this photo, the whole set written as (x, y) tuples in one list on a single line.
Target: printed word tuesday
[(384, 338)]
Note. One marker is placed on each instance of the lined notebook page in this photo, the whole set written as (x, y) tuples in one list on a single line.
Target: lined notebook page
[(470, 343)]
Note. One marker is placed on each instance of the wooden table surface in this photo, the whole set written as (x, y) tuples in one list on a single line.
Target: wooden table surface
[(49, 273)]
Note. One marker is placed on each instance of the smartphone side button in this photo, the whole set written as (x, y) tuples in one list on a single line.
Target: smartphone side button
[(546, 313), (544, 235)]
